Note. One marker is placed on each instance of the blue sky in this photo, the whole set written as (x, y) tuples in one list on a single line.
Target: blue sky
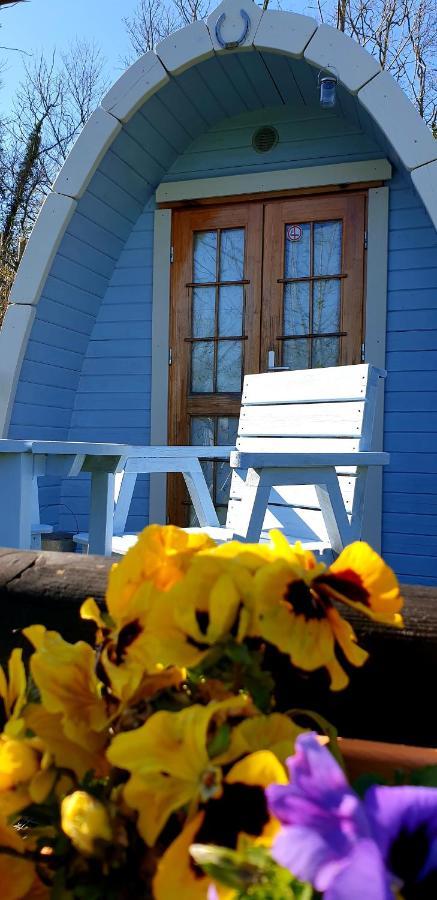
[(44, 24), (47, 24)]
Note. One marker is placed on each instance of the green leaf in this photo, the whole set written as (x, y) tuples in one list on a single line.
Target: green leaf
[(220, 742), (251, 872), (366, 781), (426, 777)]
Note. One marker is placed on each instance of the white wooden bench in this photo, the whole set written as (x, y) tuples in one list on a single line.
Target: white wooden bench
[(22, 462)]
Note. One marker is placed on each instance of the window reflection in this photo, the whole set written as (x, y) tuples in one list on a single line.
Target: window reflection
[(217, 311), (209, 431), (205, 256), (312, 296)]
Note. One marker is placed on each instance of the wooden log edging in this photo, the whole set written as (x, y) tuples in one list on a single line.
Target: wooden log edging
[(390, 699)]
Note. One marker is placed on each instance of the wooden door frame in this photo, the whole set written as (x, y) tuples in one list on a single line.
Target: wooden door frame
[(376, 265)]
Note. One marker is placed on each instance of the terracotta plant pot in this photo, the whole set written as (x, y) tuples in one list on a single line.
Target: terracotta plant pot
[(365, 757)]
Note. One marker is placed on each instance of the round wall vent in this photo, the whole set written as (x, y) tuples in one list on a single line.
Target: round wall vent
[(265, 138)]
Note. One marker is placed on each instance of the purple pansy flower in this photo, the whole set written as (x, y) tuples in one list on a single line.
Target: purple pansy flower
[(351, 849)]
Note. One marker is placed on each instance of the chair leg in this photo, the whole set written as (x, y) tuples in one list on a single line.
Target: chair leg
[(16, 493), (101, 513), (123, 502), (333, 511), (200, 496), (255, 502)]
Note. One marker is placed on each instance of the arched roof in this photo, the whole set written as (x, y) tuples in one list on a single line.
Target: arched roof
[(242, 26)]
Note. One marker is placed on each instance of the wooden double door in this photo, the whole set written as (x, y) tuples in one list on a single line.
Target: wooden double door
[(256, 285)]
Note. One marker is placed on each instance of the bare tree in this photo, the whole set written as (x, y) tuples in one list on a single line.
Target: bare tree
[(191, 10), (402, 35), (150, 23), (7, 271), (153, 20), (52, 104)]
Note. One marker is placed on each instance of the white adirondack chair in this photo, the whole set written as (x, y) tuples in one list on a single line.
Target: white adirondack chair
[(304, 447)]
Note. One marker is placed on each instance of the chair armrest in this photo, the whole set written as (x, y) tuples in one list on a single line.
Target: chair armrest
[(307, 460), (210, 452)]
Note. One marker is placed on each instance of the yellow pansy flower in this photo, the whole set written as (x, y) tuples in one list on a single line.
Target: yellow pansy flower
[(66, 753), (212, 602), (26, 773), (13, 691), (276, 732), (239, 814), (141, 642), (169, 762), (161, 556), (65, 676), (86, 822), (295, 597)]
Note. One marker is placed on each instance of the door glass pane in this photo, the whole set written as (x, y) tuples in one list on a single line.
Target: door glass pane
[(231, 254), (230, 318), (297, 250), (202, 431), (205, 256), (229, 366), (226, 436), (202, 367), (295, 354), (203, 322), (207, 431), (296, 308), (202, 434), (326, 306), (326, 352), (327, 248), (227, 427)]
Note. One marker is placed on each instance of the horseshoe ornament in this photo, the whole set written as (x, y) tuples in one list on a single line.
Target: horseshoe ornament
[(231, 45)]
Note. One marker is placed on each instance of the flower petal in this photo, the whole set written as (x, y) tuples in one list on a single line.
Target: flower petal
[(364, 878), (362, 580), (176, 875), (393, 810), (276, 733)]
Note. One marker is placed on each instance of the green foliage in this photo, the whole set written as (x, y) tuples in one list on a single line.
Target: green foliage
[(251, 873), (239, 668)]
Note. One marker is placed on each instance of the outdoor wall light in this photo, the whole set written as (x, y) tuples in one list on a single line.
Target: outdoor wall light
[(327, 82)]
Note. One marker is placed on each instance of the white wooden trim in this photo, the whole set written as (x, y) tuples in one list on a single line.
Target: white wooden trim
[(399, 120), (41, 249), (14, 335), (332, 49), (278, 33), (425, 182), (87, 153), (185, 48), (278, 180), (140, 81), (160, 345), (375, 339)]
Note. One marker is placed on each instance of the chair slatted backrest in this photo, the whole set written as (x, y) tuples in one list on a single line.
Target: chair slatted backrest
[(315, 410)]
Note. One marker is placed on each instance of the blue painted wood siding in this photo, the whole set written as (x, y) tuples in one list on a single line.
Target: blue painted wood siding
[(112, 401), (307, 136), (410, 481)]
